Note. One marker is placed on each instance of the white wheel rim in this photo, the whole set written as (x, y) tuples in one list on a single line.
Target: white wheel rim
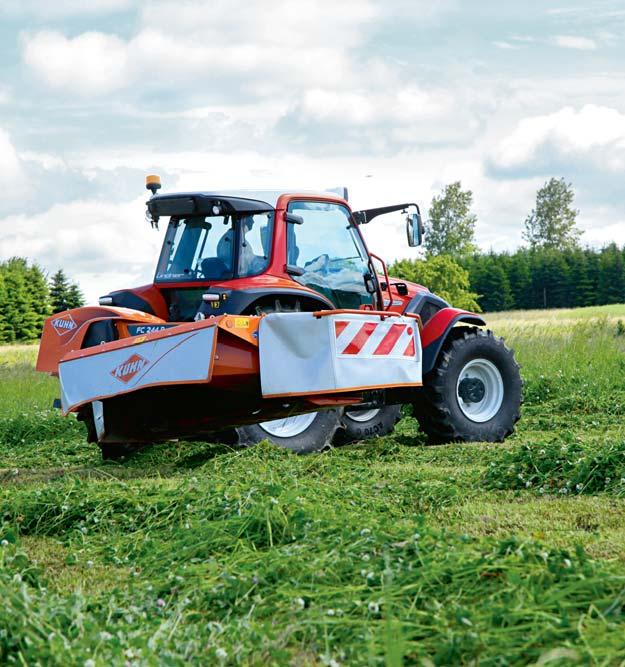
[(490, 377), (362, 415), (289, 427)]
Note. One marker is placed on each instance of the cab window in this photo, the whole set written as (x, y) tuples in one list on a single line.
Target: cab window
[(328, 250)]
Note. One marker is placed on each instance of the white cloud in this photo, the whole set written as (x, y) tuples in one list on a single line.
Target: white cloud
[(593, 130), (92, 63), (359, 108), (276, 46), (10, 167), (102, 245), (62, 8), (574, 42)]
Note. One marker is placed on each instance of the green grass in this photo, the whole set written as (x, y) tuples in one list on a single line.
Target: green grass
[(383, 553)]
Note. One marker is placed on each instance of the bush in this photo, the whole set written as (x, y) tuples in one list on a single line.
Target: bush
[(443, 276)]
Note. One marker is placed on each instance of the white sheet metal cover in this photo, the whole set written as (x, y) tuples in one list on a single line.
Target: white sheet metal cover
[(303, 354), (176, 359)]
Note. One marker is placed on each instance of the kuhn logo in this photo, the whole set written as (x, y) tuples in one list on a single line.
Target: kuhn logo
[(63, 325), (129, 368)]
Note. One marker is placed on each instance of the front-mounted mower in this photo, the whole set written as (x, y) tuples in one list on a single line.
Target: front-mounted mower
[(269, 318)]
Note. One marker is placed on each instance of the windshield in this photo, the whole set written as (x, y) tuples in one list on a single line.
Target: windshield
[(215, 247)]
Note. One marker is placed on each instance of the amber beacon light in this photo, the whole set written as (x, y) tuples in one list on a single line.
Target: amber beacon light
[(153, 183)]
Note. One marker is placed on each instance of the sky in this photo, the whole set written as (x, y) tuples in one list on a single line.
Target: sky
[(391, 98)]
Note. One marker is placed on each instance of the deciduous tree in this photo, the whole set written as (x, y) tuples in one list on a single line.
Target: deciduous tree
[(551, 225), (451, 224)]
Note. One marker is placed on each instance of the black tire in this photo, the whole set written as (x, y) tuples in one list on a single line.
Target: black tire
[(438, 406), (378, 424), (315, 438)]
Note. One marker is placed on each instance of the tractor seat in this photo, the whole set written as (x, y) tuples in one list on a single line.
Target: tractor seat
[(215, 268)]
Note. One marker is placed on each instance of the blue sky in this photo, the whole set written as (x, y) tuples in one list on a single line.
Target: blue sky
[(393, 98)]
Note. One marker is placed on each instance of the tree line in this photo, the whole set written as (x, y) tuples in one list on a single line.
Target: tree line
[(27, 298), (552, 271)]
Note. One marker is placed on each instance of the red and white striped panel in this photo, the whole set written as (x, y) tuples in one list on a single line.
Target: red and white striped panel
[(387, 338)]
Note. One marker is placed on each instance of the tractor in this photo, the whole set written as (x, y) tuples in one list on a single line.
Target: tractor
[(255, 254)]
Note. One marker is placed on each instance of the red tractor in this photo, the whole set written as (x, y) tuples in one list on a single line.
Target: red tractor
[(251, 254)]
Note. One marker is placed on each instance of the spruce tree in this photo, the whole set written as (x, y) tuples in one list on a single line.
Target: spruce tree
[(3, 305), (75, 297), (59, 291), (611, 275), (22, 322), (39, 294), (520, 280), (494, 288)]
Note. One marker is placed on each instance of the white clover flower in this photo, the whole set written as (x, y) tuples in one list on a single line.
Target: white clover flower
[(4, 543), (528, 484), (90, 662), (366, 557), (373, 607), (579, 487), (160, 603), (567, 562), (300, 603), (105, 636), (89, 563), (221, 654), (542, 451), (365, 531), (416, 537), (330, 612)]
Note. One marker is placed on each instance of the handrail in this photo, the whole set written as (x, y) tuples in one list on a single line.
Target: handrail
[(388, 282)]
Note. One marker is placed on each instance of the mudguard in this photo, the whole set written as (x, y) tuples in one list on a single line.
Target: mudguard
[(437, 329)]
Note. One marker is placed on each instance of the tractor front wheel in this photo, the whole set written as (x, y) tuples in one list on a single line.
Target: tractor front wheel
[(310, 432), (371, 423), (474, 393)]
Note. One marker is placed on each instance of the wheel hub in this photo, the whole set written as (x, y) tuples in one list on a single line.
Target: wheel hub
[(471, 390), (288, 427), (480, 390)]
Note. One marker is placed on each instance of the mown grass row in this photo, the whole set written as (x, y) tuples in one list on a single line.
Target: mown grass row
[(292, 567)]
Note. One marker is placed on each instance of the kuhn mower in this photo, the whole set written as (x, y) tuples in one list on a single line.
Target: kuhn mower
[(269, 318)]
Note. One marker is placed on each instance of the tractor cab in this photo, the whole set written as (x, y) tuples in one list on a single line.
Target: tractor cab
[(246, 252)]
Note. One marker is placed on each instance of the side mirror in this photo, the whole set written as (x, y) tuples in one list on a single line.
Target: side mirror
[(414, 229)]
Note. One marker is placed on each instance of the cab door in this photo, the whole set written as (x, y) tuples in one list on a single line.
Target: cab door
[(326, 254)]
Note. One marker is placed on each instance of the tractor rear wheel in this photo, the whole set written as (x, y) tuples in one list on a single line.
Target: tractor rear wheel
[(474, 393), (365, 424), (310, 432)]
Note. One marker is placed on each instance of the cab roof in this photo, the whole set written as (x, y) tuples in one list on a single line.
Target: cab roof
[(233, 201)]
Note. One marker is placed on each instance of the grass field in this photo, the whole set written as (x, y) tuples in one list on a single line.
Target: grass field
[(385, 553)]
